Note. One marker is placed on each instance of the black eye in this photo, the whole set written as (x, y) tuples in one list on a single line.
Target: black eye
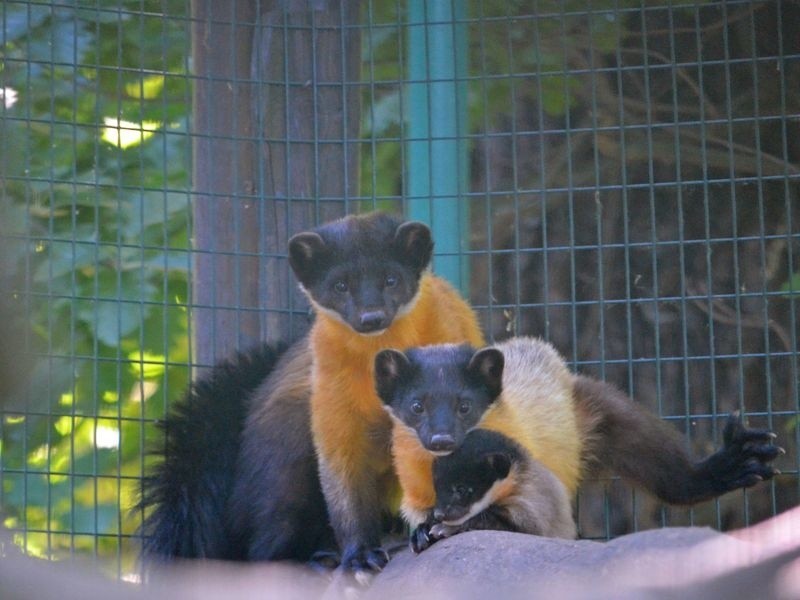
[(464, 407), (417, 408), (340, 286), (463, 490), (390, 281)]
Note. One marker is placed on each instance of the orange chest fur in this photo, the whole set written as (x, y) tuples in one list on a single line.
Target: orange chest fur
[(348, 420), (414, 467)]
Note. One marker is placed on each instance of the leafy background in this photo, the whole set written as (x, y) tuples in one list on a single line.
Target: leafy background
[(96, 219)]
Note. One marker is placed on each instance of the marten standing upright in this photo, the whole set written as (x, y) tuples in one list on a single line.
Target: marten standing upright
[(367, 281), (570, 424)]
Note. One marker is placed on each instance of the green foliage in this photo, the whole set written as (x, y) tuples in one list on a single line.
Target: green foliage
[(95, 209), (792, 285)]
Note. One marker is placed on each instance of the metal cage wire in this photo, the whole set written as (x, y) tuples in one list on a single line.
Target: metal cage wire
[(621, 180)]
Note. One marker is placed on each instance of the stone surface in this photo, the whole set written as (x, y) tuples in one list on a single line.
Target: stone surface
[(663, 563), (761, 562)]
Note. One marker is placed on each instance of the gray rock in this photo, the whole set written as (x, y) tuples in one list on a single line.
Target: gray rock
[(762, 561), (689, 562)]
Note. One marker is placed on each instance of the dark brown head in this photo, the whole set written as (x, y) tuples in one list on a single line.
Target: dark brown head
[(441, 392), (469, 480), (362, 270)]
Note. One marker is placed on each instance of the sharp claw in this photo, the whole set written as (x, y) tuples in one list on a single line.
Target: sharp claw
[(752, 435), (382, 559), (762, 453), (419, 540), (325, 560)]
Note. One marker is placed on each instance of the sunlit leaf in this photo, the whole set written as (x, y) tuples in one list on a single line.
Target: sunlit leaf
[(64, 425), (126, 134), (35, 517), (33, 543), (149, 88), (106, 436), (147, 365), (38, 457), (143, 391)]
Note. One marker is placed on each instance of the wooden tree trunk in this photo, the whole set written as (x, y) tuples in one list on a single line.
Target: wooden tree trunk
[(275, 150)]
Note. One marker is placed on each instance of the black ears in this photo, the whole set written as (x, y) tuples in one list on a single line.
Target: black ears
[(306, 255), (500, 463), (391, 367), (413, 241), (486, 367)]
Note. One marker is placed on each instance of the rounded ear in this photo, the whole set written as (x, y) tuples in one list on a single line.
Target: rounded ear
[(486, 366), (305, 255), (500, 463), (414, 243), (391, 367)]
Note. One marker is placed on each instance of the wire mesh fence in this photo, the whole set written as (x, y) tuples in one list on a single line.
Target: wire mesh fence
[(620, 179)]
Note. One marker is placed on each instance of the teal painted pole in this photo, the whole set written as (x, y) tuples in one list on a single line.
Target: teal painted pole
[(437, 161)]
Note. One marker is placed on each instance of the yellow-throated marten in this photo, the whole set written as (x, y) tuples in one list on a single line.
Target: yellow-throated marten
[(491, 482), (314, 459), (367, 281), (568, 423)]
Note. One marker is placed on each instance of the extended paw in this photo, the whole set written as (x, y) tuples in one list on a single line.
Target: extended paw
[(744, 459)]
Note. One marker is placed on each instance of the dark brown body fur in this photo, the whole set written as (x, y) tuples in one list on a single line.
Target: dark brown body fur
[(277, 508)]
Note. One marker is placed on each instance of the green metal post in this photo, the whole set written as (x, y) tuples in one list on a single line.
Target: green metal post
[(437, 165)]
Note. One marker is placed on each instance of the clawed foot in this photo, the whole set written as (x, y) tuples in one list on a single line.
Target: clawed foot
[(427, 534), (744, 459), (364, 563), (439, 531), (421, 538), (324, 561)]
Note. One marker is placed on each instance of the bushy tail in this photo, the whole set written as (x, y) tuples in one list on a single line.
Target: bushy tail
[(187, 492)]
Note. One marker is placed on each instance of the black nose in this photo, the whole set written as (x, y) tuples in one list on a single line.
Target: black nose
[(442, 442), (373, 320)]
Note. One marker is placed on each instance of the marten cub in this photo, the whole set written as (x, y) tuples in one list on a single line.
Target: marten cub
[(491, 482)]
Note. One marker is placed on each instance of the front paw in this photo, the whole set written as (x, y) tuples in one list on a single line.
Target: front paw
[(364, 562), (427, 534), (439, 531), (744, 459), (324, 561), (421, 538)]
